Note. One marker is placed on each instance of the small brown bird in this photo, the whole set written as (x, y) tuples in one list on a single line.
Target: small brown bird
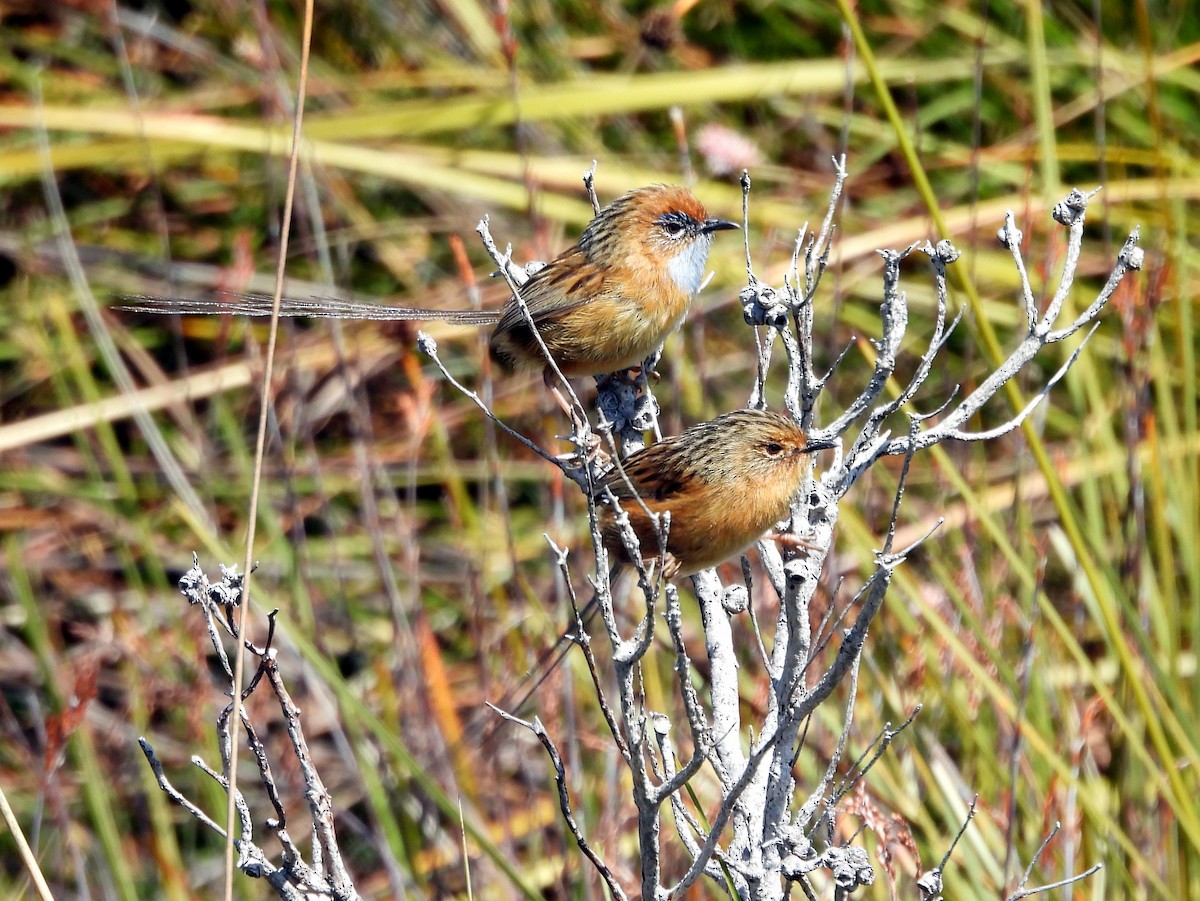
[(726, 482), (602, 306)]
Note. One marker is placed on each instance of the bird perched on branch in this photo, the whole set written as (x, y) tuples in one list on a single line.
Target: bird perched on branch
[(725, 482), (602, 306)]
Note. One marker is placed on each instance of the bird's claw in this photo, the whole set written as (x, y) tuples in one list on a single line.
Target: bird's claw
[(791, 540)]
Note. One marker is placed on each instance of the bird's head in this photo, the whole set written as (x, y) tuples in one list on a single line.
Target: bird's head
[(750, 444), (658, 227)]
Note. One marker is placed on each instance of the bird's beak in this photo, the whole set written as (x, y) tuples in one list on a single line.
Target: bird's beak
[(814, 446), (718, 225)]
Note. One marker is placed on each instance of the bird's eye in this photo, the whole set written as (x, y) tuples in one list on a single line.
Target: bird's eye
[(674, 224), (773, 449)]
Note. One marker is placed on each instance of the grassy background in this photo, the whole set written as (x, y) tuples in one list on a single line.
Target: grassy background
[(1050, 628)]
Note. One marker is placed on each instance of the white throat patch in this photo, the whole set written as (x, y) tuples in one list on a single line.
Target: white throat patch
[(687, 266)]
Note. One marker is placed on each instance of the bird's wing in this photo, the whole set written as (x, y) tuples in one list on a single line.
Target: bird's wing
[(565, 283), (657, 473)]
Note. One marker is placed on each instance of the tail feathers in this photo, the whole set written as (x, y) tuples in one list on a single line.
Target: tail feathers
[(315, 307)]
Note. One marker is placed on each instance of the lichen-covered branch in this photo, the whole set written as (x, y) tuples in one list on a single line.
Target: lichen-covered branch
[(292, 878)]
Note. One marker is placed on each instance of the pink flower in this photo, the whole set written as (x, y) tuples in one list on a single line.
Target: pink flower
[(725, 151)]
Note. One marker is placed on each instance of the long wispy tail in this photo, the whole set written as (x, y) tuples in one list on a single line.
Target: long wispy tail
[(316, 307)]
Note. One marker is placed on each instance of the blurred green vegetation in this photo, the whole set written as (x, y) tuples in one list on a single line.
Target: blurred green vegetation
[(1050, 629)]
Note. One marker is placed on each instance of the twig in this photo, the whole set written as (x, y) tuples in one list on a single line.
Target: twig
[(1022, 891), (428, 346), (564, 800), (327, 877)]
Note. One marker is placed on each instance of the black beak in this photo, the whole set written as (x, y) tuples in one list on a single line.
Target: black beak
[(717, 225), (814, 446)]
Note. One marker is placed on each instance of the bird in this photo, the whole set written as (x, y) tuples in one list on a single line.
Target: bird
[(725, 482), (602, 306)]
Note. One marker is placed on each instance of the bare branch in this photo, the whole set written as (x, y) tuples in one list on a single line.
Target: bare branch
[(1011, 237), (589, 185), (937, 433), (1023, 891), (1069, 213), (1070, 880), (428, 346), (1130, 257), (295, 879), (564, 800), (585, 644), (893, 314), (173, 793)]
